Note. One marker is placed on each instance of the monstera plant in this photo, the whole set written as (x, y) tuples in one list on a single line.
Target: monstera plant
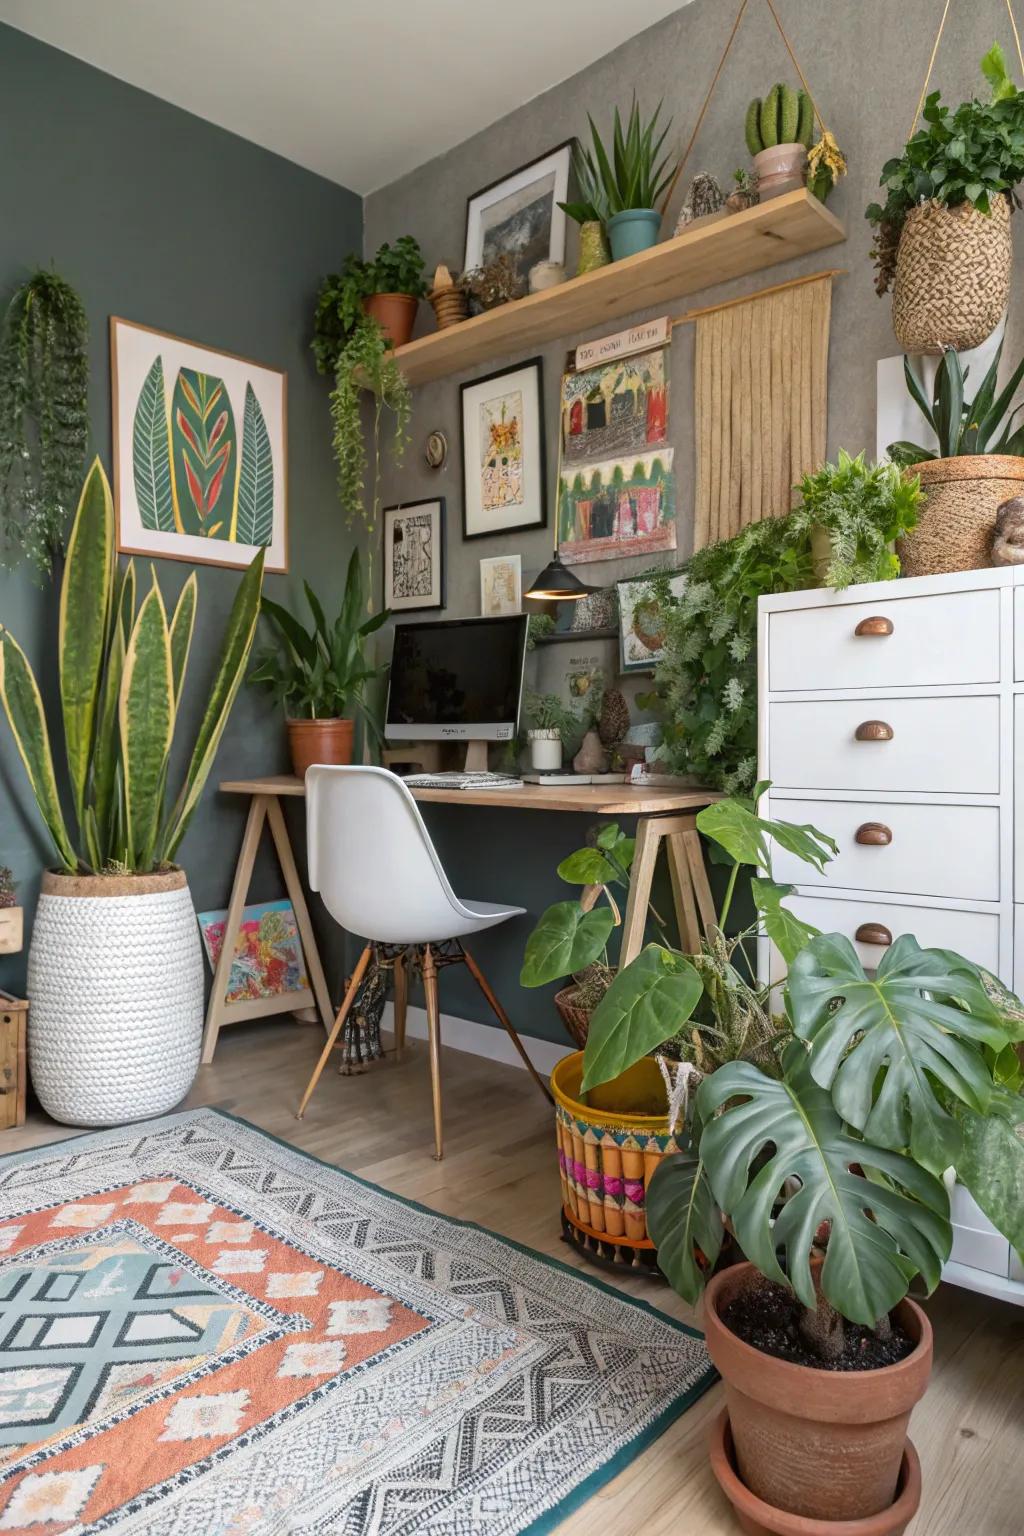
[(116, 986)]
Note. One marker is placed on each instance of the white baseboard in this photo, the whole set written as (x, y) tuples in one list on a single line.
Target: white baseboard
[(480, 1039)]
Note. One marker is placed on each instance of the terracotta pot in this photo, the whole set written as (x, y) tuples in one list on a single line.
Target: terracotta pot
[(956, 523), (395, 313), (759, 1519), (824, 1444), (780, 169), (319, 741)]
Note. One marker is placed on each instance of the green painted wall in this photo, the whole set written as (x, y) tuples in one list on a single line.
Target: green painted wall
[(157, 216)]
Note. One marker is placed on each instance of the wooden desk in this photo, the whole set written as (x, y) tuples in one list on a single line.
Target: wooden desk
[(664, 814)]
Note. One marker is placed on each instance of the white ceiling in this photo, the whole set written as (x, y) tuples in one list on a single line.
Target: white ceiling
[(359, 92)]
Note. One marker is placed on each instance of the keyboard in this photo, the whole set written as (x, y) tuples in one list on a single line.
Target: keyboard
[(462, 781)]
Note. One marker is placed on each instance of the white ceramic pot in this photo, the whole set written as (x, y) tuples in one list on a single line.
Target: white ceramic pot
[(115, 986), (780, 169), (545, 750)]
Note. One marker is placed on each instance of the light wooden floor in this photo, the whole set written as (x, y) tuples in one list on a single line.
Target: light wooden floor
[(500, 1170)]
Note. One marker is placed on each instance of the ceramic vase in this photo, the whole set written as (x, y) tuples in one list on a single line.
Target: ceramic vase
[(633, 230), (594, 250)]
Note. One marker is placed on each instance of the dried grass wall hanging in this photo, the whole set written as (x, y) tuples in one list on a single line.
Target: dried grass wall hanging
[(761, 404)]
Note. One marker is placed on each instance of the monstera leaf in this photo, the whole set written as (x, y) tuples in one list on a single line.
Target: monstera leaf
[(787, 933), (645, 1005), (883, 1229), (684, 1221), (566, 939), (883, 1044), (745, 835)]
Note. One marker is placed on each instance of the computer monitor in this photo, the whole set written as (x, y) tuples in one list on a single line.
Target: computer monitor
[(457, 680)]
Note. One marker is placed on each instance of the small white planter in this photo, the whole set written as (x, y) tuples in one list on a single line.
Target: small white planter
[(115, 983), (545, 750)]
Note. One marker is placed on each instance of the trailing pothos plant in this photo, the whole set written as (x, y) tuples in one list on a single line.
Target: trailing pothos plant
[(44, 385), (122, 675), (872, 1087)]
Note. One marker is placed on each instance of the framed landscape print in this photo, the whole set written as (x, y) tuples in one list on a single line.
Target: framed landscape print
[(642, 620), (200, 451), (414, 555), (501, 586), (503, 452), (519, 215)]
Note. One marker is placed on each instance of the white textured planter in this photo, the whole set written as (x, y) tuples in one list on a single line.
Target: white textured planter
[(115, 986), (545, 750)]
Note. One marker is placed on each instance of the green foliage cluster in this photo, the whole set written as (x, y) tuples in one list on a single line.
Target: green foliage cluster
[(548, 712), (540, 626), (971, 155), (632, 176), (982, 425), (44, 385), (396, 268), (366, 362), (705, 688), (784, 116)]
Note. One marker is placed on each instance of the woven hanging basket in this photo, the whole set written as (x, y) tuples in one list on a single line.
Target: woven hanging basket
[(952, 276), (957, 520)]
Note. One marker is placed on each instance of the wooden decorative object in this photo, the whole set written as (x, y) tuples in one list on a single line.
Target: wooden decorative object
[(448, 299), (11, 930), (13, 1068)]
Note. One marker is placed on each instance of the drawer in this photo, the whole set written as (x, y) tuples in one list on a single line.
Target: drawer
[(1018, 632), (976, 1242), (933, 850), (974, 934), (1018, 799), (948, 745), (950, 638), (1017, 981)]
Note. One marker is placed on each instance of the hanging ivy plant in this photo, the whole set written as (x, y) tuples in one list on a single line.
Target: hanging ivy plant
[(366, 362), (44, 386)]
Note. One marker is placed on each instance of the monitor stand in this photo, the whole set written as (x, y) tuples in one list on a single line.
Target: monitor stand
[(476, 757)]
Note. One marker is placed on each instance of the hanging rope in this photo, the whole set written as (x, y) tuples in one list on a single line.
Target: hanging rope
[(935, 49)]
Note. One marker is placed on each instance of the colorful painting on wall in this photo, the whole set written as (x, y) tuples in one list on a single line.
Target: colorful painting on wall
[(503, 452), (200, 438), (618, 408), (414, 538), (616, 508), (268, 953), (642, 620), (501, 586)]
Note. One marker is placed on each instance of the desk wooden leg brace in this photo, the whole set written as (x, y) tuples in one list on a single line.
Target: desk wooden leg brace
[(264, 808), (691, 893)]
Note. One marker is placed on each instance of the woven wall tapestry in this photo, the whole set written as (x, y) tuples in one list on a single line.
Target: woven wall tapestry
[(761, 405)]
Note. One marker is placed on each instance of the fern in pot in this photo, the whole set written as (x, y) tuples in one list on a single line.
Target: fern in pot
[(115, 971)]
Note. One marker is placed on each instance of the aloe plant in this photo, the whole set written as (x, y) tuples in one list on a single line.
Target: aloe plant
[(122, 675), (632, 176), (984, 424)]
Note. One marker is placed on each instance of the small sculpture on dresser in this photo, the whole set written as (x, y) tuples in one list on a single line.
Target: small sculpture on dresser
[(1008, 538)]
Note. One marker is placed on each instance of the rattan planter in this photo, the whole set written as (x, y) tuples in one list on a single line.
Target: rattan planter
[(957, 520), (952, 279), (608, 1151)]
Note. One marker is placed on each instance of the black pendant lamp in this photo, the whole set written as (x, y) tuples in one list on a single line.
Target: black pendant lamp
[(556, 583)]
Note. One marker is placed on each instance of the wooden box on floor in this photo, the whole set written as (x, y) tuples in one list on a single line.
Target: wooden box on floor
[(13, 1068)]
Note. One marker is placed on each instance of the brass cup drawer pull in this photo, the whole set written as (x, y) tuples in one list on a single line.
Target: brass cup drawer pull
[(874, 730), (873, 834), (873, 933), (877, 625)]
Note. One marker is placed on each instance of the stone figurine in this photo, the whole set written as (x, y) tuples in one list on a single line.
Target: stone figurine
[(1008, 538)]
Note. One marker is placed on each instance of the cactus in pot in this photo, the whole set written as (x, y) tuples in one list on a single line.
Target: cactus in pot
[(778, 132)]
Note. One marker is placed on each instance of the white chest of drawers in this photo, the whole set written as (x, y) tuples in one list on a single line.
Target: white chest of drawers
[(892, 717)]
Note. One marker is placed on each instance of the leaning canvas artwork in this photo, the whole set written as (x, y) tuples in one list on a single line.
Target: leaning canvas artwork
[(618, 408), (268, 953), (616, 508), (199, 451)]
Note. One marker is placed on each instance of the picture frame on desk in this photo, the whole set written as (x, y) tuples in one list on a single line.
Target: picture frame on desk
[(503, 451)]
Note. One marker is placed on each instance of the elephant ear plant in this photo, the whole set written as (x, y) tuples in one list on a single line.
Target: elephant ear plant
[(122, 676)]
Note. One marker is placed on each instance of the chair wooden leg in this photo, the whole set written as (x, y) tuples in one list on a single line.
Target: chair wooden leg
[(353, 988), (401, 1004), (429, 970), (503, 1018)]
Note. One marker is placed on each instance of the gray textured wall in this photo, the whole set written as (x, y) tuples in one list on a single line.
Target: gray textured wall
[(865, 62), (156, 215)]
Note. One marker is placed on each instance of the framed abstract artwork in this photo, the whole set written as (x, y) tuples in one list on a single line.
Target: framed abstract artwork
[(268, 959), (501, 586), (200, 451), (503, 452), (519, 215), (414, 537)]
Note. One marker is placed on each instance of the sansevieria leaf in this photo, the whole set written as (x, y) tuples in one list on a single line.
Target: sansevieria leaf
[(85, 599), (151, 454), (255, 520), (24, 709), (147, 722), (107, 756), (182, 625)]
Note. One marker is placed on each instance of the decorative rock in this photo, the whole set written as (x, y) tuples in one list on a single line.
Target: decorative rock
[(704, 198), (1008, 539), (591, 757)]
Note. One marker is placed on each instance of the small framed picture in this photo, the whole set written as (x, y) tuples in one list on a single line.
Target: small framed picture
[(503, 452), (642, 621), (501, 585), (414, 537), (519, 215)]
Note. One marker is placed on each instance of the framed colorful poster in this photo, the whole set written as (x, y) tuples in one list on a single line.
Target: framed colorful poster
[(414, 537), (200, 451), (501, 586), (615, 409), (642, 620), (616, 508), (519, 215), (268, 951), (503, 452)]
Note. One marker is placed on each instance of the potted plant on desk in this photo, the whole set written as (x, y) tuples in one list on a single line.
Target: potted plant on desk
[(320, 674)]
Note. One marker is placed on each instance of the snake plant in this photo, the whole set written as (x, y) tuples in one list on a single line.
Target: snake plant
[(981, 425), (122, 673)]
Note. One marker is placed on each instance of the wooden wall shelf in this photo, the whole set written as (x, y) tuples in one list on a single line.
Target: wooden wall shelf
[(788, 226)]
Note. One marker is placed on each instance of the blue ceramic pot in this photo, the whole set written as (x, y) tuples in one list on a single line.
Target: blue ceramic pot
[(635, 229)]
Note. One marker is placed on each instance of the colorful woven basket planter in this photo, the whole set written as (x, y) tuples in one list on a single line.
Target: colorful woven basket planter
[(608, 1150)]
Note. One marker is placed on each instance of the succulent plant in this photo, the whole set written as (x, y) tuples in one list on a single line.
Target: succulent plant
[(784, 116)]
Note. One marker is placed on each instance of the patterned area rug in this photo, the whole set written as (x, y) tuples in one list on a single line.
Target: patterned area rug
[(203, 1330)]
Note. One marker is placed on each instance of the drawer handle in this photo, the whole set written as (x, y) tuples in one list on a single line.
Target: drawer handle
[(873, 730), (873, 834), (873, 933), (875, 625)]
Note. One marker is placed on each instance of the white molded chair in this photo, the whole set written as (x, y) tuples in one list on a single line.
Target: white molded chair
[(372, 860)]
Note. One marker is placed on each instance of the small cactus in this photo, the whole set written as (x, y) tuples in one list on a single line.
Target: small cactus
[(784, 116)]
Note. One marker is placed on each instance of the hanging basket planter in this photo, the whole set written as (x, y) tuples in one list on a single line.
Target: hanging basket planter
[(952, 279)]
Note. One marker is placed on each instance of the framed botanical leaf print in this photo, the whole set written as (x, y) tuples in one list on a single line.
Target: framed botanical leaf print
[(200, 451)]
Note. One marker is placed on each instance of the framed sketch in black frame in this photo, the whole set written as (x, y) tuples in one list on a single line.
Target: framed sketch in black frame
[(503, 463), (519, 216), (414, 538)]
